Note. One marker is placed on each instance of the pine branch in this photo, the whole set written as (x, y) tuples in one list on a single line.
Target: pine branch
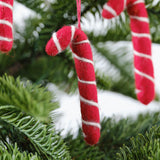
[(8, 152), (79, 150), (32, 99), (123, 80), (114, 59), (103, 82), (154, 16), (142, 146), (36, 5), (115, 132), (33, 136)]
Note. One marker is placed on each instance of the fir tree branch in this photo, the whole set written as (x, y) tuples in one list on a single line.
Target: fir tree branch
[(8, 152), (32, 99), (33, 136), (142, 146)]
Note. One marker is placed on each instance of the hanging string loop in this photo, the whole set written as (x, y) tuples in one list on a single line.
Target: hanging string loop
[(79, 13)]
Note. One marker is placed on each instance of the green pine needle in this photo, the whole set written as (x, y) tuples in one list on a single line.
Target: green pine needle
[(32, 99), (31, 135), (145, 147), (9, 152)]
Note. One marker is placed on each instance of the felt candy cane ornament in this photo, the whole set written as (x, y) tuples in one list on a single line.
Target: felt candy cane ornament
[(6, 25), (141, 39), (82, 53)]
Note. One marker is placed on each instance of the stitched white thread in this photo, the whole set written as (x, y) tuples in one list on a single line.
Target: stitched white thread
[(91, 123), (81, 42), (142, 19), (6, 5), (144, 75), (87, 82), (55, 40), (110, 9), (72, 32), (89, 102), (142, 55), (5, 39), (138, 1), (6, 23), (83, 59), (141, 35), (137, 91)]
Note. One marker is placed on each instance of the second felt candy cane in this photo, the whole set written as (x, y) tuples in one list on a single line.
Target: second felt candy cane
[(6, 25), (76, 38), (141, 39)]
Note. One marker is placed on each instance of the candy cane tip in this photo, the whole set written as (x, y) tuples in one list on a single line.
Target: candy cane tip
[(145, 99), (108, 11), (91, 134), (51, 49), (5, 47), (106, 14), (92, 141), (3, 51)]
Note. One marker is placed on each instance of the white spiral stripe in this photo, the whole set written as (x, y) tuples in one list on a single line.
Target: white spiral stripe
[(138, 1), (81, 42), (91, 124), (110, 9), (137, 91), (142, 55), (141, 35), (144, 75), (5, 39), (6, 23), (89, 102), (73, 29), (55, 40), (84, 135), (87, 82), (6, 5), (142, 19), (83, 59)]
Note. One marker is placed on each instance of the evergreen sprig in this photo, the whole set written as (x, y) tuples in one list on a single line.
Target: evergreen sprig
[(79, 150), (33, 136), (123, 80), (30, 98), (142, 146), (36, 5), (115, 132), (9, 152)]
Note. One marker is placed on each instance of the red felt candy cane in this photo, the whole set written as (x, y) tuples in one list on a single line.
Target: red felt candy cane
[(6, 25), (76, 38), (141, 39)]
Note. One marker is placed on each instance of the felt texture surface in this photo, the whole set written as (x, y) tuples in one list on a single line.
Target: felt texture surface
[(141, 40), (82, 53), (6, 25)]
